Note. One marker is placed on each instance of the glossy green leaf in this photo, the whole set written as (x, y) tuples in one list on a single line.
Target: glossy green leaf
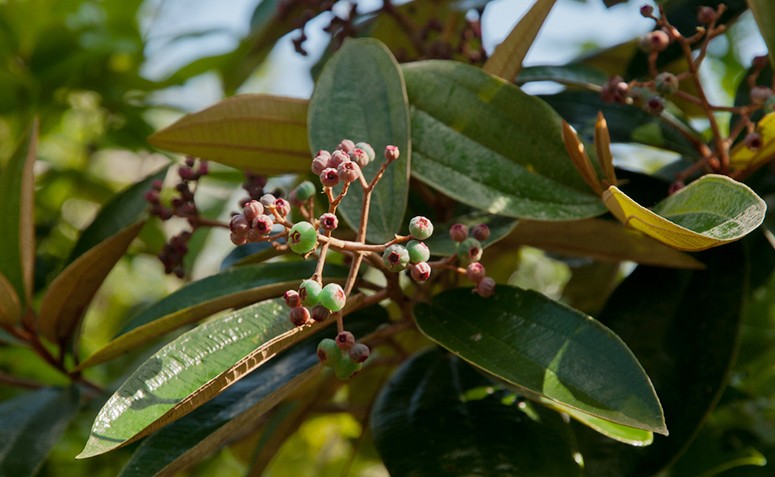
[(17, 240), (68, 296), (360, 95), (192, 437), (618, 432), (227, 133), (485, 143), (547, 348), (31, 425), (574, 74), (506, 60), (422, 426), (711, 211), (191, 370), (254, 252), (126, 207), (686, 340), (712, 453), (198, 300), (440, 243)]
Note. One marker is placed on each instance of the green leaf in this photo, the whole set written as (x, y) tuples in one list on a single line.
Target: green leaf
[(440, 243), (240, 406), (711, 211), (683, 327), (618, 432), (485, 143), (547, 348), (227, 133), (506, 60), (360, 95), (10, 308), (423, 426), (193, 369), (197, 300), (574, 74), (17, 240), (712, 453), (68, 296), (126, 207), (31, 425), (254, 252)]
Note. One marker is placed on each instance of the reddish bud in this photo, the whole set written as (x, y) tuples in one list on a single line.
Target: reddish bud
[(391, 153), (263, 224), (348, 171), (239, 224), (267, 200), (238, 239), (647, 11), (282, 206), (481, 232), (421, 271), (475, 272), (655, 41), (299, 315), (318, 164), (292, 298), (458, 232), (753, 141), (345, 340), (486, 287), (359, 353), (346, 146), (760, 94), (706, 15), (329, 177), (328, 221), (320, 313), (252, 210), (337, 158)]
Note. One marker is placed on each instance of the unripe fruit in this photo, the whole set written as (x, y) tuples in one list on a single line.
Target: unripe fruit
[(254, 235), (469, 250), (282, 206), (319, 313), (655, 104), (309, 291), (263, 224), (359, 156), (753, 141), (333, 297), (239, 224), (328, 221), (238, 239), (420, 227), (337, 158), (323, 153), (299, 316), (475, 272), (292, 298), (359, 353), (366, 147), (302, 238), (318, 164), (418, 251), (391, 153), (346, 369), (769, 105), (345, 340), (486, 287), (329, 177), (346, 146), (481, 232), (395, 258), (348, 171), (252, 210), (267, 200), (328, 353), (705, 15), (305, 190), (458, 232), (666, 83), (421, 271), (654, 41)]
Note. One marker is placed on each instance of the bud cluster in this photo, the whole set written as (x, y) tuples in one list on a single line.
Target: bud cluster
[(256, 220)]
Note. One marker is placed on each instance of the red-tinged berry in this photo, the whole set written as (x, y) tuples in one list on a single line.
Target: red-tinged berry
[(319, 163), (359, 353), (348, 171), (337, 158), (156, 184), (329, 221), (302, 238), (238, 239), (359, 156), (254, 235), (753, 141), (190, 161), (267, 200), (366, 147), (329, 177), (186, 173), (263, 224), (346, 146), (458, 232), (329, 353), (292, 298), (305, 190), (204, 168), (345, 340), (760, 94), (486, 287), (346, 369), (615, 90), (666, 83), (282, 207), (421, 271), (655, 104), (152, 196), (480, 232), (333, 297), (706, 15), (252, 210), (469, 250), (655, 41), (320, 313), (309, 291), (418, 251), (323, 153), (391, 153), (299, 316), (395, 257), (647, 11), (475, 272), (239, 224), (420, 227)]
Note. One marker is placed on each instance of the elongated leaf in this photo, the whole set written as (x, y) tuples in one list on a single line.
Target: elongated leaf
[(549, 349), (742, 157), (72, 290), (573, 74), (192, 437), (17, 240), (253, 132), (200, 299), (686, 340), (710, 211), (506, 60), (10, 308), (360, 95), (191, 370), (30, 425), (421, 426), (600, 239), (487, 144), (126, 207), (711, 454)]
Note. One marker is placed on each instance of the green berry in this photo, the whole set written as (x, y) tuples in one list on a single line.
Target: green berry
[(310, 291), (329, 353), (395, 258), (333, 297), (418, 251), (420, 227), (469, 250), (346, 369), (302, 238), (305, 190)]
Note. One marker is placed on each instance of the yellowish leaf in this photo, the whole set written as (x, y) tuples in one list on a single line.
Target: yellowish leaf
[(10, 308), (743, 157)]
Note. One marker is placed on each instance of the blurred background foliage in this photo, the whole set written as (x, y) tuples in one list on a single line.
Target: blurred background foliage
[(101, 75)]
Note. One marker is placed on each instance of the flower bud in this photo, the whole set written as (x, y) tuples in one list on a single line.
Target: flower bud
[(299, 315), (481, 232), (458, 232), (239, 224), (421, 271), (318, 164), (329, 177), (348, 171), (655, 41), (475, 272), (337, 158), (267, 200), (753, 141), (328, 221), (359, 353), (391, 153), (263, 224), (252, 210), (282, 206), (705, 15), (346, 146), (666, 83), (319, 313), (646, 11), (238, 239)]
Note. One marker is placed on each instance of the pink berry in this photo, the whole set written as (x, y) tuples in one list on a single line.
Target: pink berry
[(318, 164), (263, 224), (328, 221), (421, 271), (337, 158), (345, 340), (486, 287), (359, 353), (252, 210), (391, 153), (299, 315), (475, 272), (348, 171), (481, 232), (329, 177), (292, 298), (282, 206), (346, 146), (239, 224), (458, 232)]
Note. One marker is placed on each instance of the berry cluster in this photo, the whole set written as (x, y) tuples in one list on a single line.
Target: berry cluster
[(469, 252), (415, 254), (254, 224), (343, 354)]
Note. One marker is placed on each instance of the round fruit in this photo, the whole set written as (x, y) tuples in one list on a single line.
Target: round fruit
[(395, 258), (420, 227), (418, 251), (333, 297), (302, 238), (310, 291)]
